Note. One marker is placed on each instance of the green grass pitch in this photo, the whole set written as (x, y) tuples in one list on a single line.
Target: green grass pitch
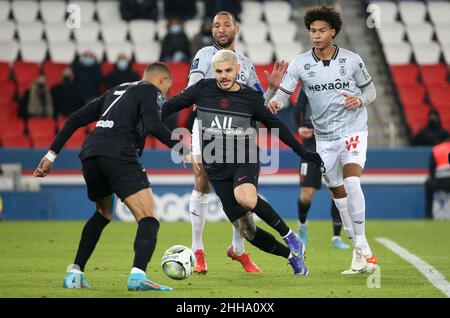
[(34, 257)]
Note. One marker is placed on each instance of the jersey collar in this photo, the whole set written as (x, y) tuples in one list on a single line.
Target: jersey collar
[(317, 59), (218, 47)]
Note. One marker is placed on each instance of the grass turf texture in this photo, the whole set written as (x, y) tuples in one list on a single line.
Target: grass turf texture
[(34, 256)]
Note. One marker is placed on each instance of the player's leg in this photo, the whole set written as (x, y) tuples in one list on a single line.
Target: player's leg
[(336, 240), (330, 152), (246, 196), (310, 181), (353, 160), (130, 182), (100, 193), (198, 208), (141, 205)]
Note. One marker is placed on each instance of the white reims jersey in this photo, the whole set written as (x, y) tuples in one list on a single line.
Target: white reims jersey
[(202, 64), (324, 82)]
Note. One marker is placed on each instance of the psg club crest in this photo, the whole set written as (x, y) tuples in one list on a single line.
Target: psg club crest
[(224, 103)]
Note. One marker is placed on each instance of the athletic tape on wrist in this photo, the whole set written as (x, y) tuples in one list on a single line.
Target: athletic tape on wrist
[(50, 156)]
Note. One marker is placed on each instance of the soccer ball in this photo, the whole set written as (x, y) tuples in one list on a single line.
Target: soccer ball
[(178, 262)]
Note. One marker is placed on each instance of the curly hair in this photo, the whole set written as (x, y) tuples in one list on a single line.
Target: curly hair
[(324, 13)]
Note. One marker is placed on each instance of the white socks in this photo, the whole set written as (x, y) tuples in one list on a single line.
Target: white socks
[(238, 242), (341, 205), (357, 212), (198, 207), (136, 270)]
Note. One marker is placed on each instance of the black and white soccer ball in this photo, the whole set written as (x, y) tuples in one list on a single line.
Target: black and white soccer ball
[(178, 262)]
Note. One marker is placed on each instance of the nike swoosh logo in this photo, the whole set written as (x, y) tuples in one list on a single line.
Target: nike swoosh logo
[(193, 213), (242, 178), (294, 253)]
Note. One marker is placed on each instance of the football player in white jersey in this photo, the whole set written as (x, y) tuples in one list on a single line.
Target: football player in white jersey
[(224, 31), (339, 89)]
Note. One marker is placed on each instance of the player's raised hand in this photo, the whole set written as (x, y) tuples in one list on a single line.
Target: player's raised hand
[(278, 71), (351, 102), (273, 107), (44, 168)]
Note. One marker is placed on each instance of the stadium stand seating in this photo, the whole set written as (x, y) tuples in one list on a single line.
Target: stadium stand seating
[(25, 11), (87, 7), (282, 33), (57, 32), (62, 52), (260, 53), (114, 32), (35, 39), (7, 30), (52, 11), (33, 51), (420, 64), (53, 71), (252, 11), (142, 31), (30, 31), (88, 33), (5, 8)]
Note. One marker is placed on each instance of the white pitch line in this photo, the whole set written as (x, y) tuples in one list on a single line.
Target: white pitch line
[(433, 275)]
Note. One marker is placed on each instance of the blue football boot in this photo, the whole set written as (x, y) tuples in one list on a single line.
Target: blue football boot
[(138, 282), (339, 244), (75, 280)]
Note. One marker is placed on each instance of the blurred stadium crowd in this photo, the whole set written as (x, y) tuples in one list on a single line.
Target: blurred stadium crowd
[(56, 55)]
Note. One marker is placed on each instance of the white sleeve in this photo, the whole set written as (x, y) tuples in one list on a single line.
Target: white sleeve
[(194, 78), (291, 78), (253, 80), (196, 149), (368, 94), (201, 63), (281, 98), (360, 73)]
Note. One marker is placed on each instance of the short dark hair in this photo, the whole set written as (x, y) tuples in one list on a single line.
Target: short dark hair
[(233, 18), (323, 13), (159, 67)]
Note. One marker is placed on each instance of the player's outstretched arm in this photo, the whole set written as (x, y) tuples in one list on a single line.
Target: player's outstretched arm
[(278, 101), (155, 126), (82, 117), (178, 102), (271, 121)]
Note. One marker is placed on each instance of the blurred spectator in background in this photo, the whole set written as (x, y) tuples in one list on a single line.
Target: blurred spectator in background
[(433, 133), (139, 9), (66, 99), (212, 7), (88, 76), (175, 46), (180, 9), (122, 73), (204, 37), (37, 100), (439, 178)]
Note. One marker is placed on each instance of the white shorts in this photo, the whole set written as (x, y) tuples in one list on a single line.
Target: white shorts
[(196, 148), (337, 153)]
